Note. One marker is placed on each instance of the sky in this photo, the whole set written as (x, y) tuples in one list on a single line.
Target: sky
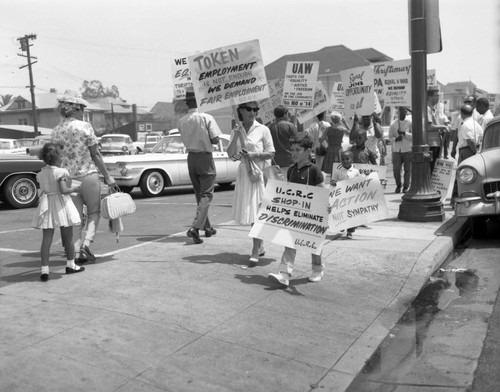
[(131, 44)]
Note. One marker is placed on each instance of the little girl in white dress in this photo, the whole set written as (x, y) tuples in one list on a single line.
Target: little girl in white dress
[(56, 209)]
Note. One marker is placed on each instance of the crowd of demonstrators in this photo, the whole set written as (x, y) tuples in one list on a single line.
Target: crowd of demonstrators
[(303, 171), (400, 135), (374, 136), (434, 129), (333, 136), (250, 141), (282, 131), (80, 155), (56, 209), (315, 131), (199, 132)]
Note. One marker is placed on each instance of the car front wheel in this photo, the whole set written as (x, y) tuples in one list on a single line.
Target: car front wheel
[(152, 183), (20, 191)]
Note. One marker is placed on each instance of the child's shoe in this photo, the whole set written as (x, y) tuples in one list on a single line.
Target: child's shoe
[(316, 276), (281, 278), (44, 277)]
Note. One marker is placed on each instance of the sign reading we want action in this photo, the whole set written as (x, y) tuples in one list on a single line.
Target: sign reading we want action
[(293, 215), (228, 76), (356, 201)]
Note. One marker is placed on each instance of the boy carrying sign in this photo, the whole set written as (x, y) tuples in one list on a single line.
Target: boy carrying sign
[(303, 171)]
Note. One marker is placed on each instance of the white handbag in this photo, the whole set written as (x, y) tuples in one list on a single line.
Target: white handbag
[(116, 205)]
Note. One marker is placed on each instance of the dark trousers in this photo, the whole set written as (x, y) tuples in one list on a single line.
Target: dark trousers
[(402, 160), (434, 150), (202, 173)]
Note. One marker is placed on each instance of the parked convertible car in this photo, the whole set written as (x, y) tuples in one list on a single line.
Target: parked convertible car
[(18, 186), (166, 165), (478, 182)]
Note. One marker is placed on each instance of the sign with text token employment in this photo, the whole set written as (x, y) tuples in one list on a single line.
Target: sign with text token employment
[(228, 76), (300, 84)]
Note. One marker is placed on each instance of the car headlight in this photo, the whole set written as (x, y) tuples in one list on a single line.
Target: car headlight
[(124, 148), (466, 175), (122, 168)]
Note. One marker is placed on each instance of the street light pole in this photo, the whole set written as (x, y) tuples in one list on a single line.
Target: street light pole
[(421, 203)]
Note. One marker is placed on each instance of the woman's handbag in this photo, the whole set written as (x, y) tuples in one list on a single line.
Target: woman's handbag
[(273, 172), (254, 172), (116, 205)]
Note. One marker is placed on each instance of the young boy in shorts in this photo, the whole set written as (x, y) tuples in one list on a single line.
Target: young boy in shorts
[(303, 171), (344, 173)]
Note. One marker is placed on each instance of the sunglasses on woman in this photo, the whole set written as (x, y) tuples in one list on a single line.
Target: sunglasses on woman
[(249, 109)]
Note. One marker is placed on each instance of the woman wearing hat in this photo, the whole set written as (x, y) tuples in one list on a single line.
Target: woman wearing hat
[(81, 157)]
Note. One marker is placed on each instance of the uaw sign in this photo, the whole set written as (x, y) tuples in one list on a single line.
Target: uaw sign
[(356, 201), (228, 76), (300, 84), (293, 215), (181, 76)]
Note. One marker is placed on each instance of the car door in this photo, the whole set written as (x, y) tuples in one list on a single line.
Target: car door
[(220, 159)]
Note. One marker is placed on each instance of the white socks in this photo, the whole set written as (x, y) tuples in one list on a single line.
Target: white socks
[(45, 269), (71, 264)]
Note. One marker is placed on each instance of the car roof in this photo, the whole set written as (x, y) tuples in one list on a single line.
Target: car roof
[(3, 139), (115, 134)]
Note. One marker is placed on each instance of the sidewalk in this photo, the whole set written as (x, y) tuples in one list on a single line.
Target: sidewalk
[(173, 316)]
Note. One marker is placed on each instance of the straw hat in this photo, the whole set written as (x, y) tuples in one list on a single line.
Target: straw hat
[(73, 96)]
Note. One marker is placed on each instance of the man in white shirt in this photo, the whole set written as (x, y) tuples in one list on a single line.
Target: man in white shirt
[(469, 134), (483, 108), (315, 131), (199, 132), (401, 140)]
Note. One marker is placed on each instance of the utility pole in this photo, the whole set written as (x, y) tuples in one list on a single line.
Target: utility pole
[(25, 47), (422, 203)]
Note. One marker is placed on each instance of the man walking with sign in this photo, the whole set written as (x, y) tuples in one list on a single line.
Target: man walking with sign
[(199, 132)]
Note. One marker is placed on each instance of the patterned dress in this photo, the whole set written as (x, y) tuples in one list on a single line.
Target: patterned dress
[(54, 208)]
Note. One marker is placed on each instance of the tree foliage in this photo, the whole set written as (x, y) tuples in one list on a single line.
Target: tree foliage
[(95, 89), (5, 99)]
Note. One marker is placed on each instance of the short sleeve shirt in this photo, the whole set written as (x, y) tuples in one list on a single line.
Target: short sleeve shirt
[(196, 131), (309, 174), (75, 137)]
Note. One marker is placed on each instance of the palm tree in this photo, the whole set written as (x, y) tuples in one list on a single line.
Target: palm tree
[(5, 99)]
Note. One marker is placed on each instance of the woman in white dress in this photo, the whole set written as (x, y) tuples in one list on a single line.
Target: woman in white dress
[(249, 141)]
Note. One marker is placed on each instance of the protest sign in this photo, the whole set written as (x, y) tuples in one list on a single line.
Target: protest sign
[(358, 89), (442, 175), (337, 98), (293, 215), (321, 104), (267, 105), (431, 78), (356, 201), (395, 79), (181, 75), (300, 84), (365, 169), (228, 76)]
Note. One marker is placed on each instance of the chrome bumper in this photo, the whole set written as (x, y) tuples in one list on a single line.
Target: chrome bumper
[(476, 206)]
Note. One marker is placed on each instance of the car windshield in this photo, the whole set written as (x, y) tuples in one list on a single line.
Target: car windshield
[(5, 145), (491, 137), (171, 145)]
